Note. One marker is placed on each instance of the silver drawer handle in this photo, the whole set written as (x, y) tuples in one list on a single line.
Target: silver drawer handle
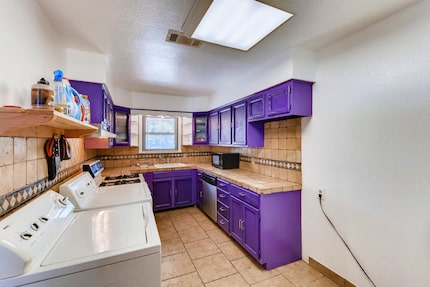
[(221, 222), (241, 193), (222, 195), (222, 209)]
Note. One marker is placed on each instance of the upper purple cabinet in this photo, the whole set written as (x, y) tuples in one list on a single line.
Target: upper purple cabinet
[(292, 98), (101, 105), (239, 124), (213, 127), (200, 129), (255, 105), (225, 125)]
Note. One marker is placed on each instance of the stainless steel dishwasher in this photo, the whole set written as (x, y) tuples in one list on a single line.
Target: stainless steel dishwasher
[(209, 196)]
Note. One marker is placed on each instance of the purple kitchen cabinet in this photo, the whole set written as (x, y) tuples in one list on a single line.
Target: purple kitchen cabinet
[(213, 128), (183, 191), (239, 123), (200, 129), (291, 98), (223, 204), (162, 193), (101, 105), (268, 226), (224, 125), (172, 189), (256, 105)]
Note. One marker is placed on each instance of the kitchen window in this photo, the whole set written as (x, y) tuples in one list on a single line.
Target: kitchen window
[(159, 134)]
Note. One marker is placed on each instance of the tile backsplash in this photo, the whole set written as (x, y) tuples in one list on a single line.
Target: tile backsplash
[(24, 171)]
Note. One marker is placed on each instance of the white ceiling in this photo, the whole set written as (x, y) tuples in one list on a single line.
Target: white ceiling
[(131, 33)]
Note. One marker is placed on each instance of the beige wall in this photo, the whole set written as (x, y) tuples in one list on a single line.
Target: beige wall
[(23, 161)]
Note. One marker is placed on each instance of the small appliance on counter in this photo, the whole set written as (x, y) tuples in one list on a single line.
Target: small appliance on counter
[(225, 160)]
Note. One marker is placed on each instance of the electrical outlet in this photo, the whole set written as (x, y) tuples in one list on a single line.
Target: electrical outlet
[(321, 193)]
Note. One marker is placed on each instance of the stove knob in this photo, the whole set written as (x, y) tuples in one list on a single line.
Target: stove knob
[(63, 201), (43, 219), (35, 226), (26, 236)]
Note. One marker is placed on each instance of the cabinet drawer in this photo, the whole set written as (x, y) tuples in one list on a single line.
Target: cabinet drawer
[(170, 174), (223, 184), (223, 210), (223, 223), (245, 195), (223, 197)]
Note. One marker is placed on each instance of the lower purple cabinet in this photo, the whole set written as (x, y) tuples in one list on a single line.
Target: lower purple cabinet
[(223, 204), (172, 189), (245, 226), (268, 226)]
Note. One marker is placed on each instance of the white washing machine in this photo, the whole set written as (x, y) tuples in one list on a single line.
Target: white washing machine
[(46, 244), (83, 192)]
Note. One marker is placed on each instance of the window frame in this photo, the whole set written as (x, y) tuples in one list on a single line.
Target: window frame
[(143, 133)]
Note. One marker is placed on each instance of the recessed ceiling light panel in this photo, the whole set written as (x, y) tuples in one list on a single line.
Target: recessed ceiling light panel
[(238, 24)]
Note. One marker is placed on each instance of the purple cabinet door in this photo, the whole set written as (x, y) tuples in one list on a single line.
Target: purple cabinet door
[(239, 123), (245, 226), (236, 219), (200, 128), (162, 192), (225, 125), (183, 191), (213, 128), (256, 109), (279, 100), (251, 230)]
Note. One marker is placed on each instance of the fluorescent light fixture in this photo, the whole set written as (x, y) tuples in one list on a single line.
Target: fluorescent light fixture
[(238, 24)]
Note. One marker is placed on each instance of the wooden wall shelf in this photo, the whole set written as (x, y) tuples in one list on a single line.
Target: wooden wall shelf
[(42, 123)]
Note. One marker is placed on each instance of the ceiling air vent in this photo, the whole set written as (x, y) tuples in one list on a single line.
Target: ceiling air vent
[(179, 38)]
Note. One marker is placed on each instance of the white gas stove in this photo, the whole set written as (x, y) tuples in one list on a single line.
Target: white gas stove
[(87, 192), (46, 244)]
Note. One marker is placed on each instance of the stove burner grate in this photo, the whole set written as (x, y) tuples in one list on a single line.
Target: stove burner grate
[(120, 182), (124, 176)]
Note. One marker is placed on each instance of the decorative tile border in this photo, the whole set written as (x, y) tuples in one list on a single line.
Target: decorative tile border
[(154, 155), (271, 162), (10, 201)]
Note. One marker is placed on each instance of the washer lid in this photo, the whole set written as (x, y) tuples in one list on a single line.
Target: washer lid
[(96, 234), (119, 195)]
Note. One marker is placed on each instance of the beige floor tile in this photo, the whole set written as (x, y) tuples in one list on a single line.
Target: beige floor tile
[(168, 233), (195, 210), (164, 222), (214, 267), (161, 215), (207, 224), (277, 281), (231, 250), (234, 280), (176, 265), (201, 248), (299, 273), (172, 246), (188, 280), (192, 234), (179, 214), (322, 282), (218, 235), (251, 271), (185, 223)]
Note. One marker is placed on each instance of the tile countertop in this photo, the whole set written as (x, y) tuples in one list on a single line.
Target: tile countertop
[(258, 183)]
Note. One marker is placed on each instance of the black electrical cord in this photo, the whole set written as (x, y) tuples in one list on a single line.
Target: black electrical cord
[(344, 242)]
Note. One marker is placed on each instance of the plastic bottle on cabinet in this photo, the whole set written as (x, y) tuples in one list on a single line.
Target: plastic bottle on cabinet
[(60, 99), (87, 113)]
